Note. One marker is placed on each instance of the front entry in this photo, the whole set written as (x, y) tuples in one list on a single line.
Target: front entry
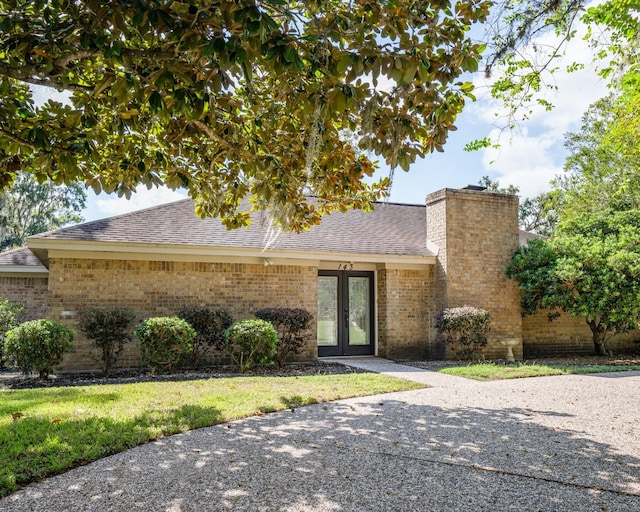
[(345, 313)]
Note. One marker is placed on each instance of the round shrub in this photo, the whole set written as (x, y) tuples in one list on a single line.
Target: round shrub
[(210, 324), (292, 326), (109, 329), (9, 312), (164, 341), (38, 345), (250, 342), (466, 328)]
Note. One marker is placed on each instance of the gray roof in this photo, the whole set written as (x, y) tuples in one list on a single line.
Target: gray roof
[(394, 229), (525, 236), (22, 256)]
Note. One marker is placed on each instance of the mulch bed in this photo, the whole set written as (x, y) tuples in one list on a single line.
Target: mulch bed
[(17, 381), (12, 380)]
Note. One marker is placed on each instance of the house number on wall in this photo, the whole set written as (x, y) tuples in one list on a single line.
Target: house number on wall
[(346, 266)]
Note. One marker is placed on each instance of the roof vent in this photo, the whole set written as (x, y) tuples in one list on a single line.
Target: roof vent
[(474, 187)]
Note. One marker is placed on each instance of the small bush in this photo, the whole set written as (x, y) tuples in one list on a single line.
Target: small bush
[(38, 345), (466, 327), (9, 312), (292, 326), (164, 341), (209, 324), (250, 342), (109, 329)]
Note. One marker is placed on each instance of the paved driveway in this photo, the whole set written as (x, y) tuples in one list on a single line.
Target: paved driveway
[(569, 443)]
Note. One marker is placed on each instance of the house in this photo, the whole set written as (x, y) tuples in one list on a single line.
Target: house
[(373, 281)]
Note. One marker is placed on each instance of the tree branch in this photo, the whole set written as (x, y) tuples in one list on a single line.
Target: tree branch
[(17, 140), (211, 134)]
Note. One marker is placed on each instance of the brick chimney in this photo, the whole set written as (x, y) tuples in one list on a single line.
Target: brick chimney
[(476, 233)]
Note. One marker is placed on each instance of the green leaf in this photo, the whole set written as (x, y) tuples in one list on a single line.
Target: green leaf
[(156, 102)]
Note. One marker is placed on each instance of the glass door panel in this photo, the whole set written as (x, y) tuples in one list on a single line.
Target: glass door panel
[(359, 310), (345, 313), (328, 311)]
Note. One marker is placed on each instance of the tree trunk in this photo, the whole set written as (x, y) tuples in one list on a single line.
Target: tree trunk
[(599, 332)]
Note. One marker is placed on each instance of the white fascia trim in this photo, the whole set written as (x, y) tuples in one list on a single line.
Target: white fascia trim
[(211, 252), (433, 247), (23, 271)]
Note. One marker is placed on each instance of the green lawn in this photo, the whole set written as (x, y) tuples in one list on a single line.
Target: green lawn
[(49, 430), (495, 371)]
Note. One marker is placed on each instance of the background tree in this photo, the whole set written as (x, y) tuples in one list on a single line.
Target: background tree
[(233, 99), (29, 207), (539, 214), (522, 65), (590, 269), (603, 166)]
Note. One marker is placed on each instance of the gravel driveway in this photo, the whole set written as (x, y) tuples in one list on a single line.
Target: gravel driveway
[(566, 443)]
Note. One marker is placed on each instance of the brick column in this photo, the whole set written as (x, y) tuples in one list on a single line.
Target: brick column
[(476, 233)]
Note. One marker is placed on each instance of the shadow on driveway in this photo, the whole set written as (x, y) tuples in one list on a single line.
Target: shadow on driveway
[(385, 453)]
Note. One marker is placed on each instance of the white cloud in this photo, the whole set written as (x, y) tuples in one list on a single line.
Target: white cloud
[(527, 161), (571, 93), (143, 198), (533, 152)]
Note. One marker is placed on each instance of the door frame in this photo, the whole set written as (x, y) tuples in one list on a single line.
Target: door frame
[(343, 348)]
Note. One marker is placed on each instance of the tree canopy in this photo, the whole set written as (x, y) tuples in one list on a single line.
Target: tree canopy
[(270, 100), (29, 207), (231, 98), (603, 166), (590, 269), (525, 62)]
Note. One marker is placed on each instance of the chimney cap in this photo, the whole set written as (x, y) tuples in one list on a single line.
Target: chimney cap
[(474, 187)]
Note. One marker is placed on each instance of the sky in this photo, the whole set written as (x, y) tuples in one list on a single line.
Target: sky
[(528, 157)]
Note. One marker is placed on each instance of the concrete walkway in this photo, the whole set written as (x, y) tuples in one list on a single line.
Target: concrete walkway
[(567, 443), (401, 371)]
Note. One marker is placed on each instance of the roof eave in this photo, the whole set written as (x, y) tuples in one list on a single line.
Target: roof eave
[(41, 247), (23, 271)]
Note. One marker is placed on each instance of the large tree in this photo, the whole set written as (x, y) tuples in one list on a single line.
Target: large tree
[(603, 166), (590, 269), (29, 207), (231, 98)]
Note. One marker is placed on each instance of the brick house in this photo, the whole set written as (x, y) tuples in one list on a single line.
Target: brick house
[(373, 281)]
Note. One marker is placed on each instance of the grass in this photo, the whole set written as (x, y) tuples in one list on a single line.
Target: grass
[(495, 371), (49, 430)]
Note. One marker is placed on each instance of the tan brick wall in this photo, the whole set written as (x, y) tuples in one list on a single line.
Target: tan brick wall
[(568, 335), (477, 233), (31, 292), (405, 305), (157, 288)]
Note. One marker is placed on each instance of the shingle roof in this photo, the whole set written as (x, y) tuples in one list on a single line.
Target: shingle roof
[(22, 256), (395, 229), (525, 236)]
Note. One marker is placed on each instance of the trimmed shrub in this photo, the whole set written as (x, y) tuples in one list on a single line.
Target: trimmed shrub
[(9, 312), (466, 328), (109, 329), (164, 341), (292, 326), (209, 324), (38, 345), (250, 342)]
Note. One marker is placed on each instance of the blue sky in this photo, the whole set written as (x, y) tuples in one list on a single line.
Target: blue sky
[(528, 157)]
